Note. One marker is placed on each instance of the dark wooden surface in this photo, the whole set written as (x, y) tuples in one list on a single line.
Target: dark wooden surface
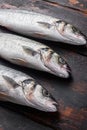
[(71, 94)]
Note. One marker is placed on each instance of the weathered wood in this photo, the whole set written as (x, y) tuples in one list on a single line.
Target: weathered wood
[(80, 5), (71, 94)]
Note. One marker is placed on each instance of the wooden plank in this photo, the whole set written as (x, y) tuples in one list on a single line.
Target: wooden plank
[(80, 5), (71, 94)]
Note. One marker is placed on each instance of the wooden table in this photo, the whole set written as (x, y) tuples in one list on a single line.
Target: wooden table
[(71, 94)]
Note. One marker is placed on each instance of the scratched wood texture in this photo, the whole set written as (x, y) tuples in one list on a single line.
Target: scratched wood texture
[(71, 94)]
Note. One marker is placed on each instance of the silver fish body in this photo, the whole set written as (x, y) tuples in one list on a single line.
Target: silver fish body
[(41, 26), (32, 54), (19, 88)]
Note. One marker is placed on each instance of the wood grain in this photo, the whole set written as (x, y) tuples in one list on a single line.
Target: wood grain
[(71, 94), (80, 5)]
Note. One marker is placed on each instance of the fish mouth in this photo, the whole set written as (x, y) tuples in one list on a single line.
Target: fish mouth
[(52, 107), (65, 72), (55, 107), (80, 40), (54, 64), (68, 70), (73, 35), (76, 39), (49, 106), (70, 33)]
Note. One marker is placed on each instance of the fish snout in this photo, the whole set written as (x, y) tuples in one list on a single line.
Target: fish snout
[(69, 71), (66, 71), (54, 107), (82, 40), (68, 68)]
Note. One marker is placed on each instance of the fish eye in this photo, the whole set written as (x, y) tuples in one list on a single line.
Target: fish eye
[(45, 93), (61, 60)]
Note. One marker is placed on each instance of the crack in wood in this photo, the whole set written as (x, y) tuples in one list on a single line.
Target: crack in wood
[(84, 11)]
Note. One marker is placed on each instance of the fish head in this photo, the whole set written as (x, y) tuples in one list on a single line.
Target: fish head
[(39, 97), (69, 33), (55, 63)]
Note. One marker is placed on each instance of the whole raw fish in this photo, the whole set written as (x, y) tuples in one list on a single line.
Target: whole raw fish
[(29, 53), (17, 87), (39, 25)]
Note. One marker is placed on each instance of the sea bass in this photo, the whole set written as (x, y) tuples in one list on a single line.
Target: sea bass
[(29, 53), (17, 87), (38, 25)]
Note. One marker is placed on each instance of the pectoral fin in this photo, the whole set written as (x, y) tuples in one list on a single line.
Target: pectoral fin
[(3, 96), (44, 24), (29, 51), (11, 82), (19, 61), (40, 35)]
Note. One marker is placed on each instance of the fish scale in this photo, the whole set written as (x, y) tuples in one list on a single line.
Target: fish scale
[(21, 20), (13, 74), (32, 54), (20, 88), (41, 26), (14, 44)]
